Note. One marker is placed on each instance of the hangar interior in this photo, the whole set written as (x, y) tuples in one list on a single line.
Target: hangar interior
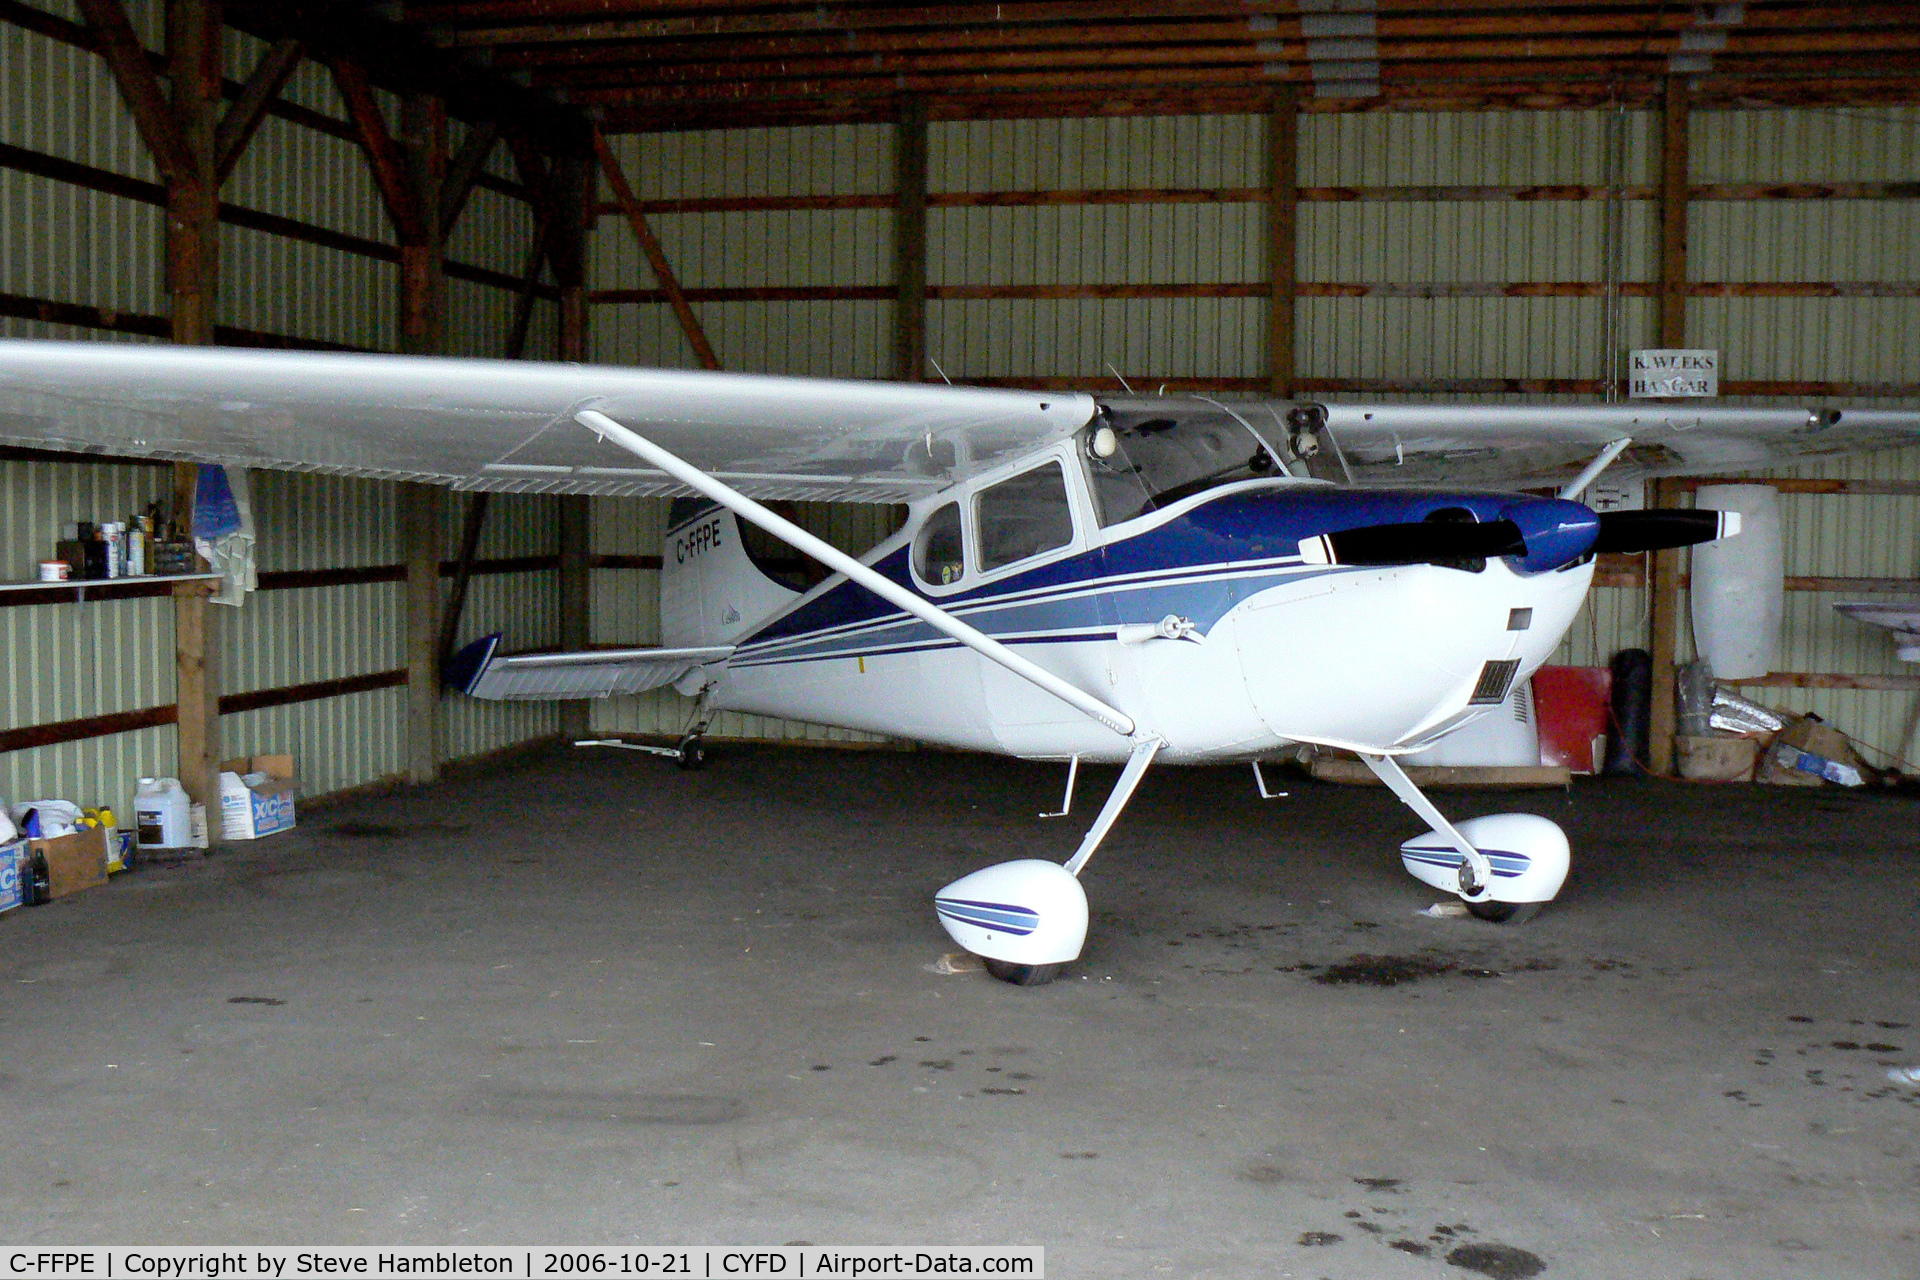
[(1375, 199), (1208, 201)]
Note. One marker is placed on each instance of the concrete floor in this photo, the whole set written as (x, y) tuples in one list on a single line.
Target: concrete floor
[(590, 999)]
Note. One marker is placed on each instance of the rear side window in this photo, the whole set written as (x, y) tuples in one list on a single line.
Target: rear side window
[(1023, 517), (937, 555)]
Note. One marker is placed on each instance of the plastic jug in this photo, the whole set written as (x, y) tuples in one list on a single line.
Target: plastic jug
[(160, 814)]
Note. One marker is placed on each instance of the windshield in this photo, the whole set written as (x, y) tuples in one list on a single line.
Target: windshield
[(1168, 452)]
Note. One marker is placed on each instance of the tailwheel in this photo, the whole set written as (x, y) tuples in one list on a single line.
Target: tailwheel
[(693, 752), (1023, 975), (1505, 912)]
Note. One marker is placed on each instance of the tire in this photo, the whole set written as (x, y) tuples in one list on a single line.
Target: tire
[(1023, 975), (693, 753), (1505, 912)]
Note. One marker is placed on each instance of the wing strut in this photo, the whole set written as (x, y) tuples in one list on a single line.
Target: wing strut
[(892, 592)]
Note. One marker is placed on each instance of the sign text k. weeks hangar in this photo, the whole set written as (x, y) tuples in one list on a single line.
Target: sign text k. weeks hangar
[(1658, 372)]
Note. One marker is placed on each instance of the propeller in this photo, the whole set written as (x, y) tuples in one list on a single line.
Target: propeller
[(1425, 542), (1553, 534), (1660, 528)]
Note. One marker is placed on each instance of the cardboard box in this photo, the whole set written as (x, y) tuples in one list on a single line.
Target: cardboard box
[(1807, 752), (74, 862), (12, 893), (1714, 759), (247, 813)]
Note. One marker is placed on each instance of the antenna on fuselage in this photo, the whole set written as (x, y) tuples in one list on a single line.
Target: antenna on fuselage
[(1117, 378), (937, 369)]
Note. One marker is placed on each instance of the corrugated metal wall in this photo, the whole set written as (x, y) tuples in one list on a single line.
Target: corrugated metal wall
[(1343, 241), (67, 244)]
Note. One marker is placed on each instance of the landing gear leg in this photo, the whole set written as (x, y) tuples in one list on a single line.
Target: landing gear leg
[(1476, 873), (1027, 919), (691, 751)]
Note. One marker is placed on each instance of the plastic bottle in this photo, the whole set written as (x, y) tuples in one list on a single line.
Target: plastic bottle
[(160, 814)]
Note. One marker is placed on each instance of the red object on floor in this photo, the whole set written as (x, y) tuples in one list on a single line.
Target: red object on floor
[(1571, 704)]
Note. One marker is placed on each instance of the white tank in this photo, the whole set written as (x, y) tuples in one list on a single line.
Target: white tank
[(160, 814), (1739, 583)]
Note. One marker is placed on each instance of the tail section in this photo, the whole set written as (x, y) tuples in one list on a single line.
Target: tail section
[(711, 592)]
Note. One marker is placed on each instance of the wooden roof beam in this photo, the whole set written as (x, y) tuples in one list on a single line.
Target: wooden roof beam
[(244, 113), (382, 152), (465, 15), (1503, 54), (977, 24), (463, 171), (139, 85)]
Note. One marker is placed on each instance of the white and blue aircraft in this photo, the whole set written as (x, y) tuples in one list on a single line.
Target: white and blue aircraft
[(1130, 580)]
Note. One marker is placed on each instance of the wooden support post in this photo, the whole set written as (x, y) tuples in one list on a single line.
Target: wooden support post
[(193, 274), (1283, 204), (529, 282), (1664, 643), (423, 278), (1665, 586), (193, 265), (575, 601), (575, 178), (569, 219), (196, 676), (462, 576), (420, 547), (910, 240), (1673, 214), (656, 256)]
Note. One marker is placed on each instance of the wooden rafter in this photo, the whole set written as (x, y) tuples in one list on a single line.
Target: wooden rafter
[(244, 114), (463, 170), (656, 256), (139, 87), (383, 154), (719, 63)]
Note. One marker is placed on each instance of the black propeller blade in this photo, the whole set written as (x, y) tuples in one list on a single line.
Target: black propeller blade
[(1427, 542), (1660, 528)]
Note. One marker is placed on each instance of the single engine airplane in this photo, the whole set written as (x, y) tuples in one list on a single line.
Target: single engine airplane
[(1079, 578)]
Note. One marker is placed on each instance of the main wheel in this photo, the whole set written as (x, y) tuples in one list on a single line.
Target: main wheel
[(693, 752), (1505, 912), (1022, 975)]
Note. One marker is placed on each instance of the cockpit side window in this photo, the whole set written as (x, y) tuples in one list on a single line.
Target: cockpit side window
[(1023, 517), (939, 556)]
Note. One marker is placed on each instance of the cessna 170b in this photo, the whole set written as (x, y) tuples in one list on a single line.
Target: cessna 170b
[(1079, 578)]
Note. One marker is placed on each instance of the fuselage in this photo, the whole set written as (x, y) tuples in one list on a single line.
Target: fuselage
[(1200, 619)]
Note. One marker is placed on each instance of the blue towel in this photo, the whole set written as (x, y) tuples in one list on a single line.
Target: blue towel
[(215, 513)]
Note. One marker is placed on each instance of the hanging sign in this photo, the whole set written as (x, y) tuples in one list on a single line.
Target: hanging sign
[(1660, 372)]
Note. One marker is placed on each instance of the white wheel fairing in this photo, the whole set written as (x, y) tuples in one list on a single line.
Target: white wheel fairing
[(1027, 912), (1529, 856)]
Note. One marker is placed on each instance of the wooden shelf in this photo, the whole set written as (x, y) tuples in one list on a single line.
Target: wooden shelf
[(79, 591)]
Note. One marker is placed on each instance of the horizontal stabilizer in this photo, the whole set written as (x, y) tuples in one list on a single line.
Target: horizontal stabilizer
[(562, 677)]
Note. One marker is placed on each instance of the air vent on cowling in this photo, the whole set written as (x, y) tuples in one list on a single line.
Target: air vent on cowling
[(1495, 679)]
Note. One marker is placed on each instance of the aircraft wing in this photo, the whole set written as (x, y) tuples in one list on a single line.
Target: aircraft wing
[(1510, 445), (507, 426)]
